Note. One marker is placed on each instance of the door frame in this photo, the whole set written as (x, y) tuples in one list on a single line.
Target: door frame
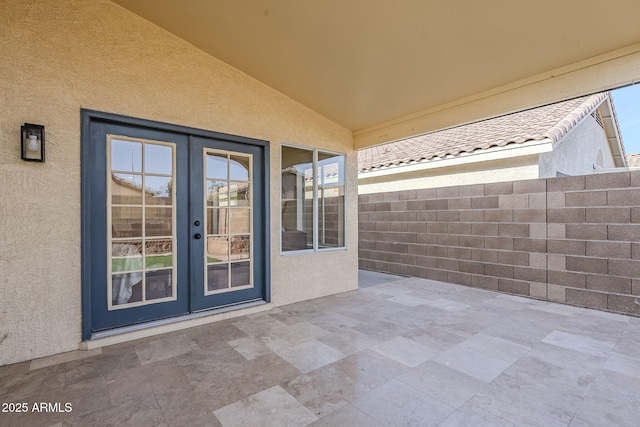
[(92, 116)]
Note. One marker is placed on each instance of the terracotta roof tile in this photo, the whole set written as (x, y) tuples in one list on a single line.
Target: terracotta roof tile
[(551, 121)]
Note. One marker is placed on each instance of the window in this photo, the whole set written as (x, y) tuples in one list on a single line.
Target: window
[(313, 197)]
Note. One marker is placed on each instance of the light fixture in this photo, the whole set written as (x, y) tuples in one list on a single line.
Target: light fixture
[(32, 137)]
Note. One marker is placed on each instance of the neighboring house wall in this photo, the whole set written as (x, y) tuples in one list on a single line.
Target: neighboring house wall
[(558, 139), (525, 167), (576, 153), (573, 240), (59, 57)]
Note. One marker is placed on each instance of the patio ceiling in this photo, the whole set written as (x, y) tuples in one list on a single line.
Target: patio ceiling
[(394, 69)]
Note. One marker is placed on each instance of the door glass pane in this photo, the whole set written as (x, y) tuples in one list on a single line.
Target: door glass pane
[(126, 222), (126, 189), (242, 194), (217, 166), (126, 288), (240, 247), (228, 217), (239, 168), (157, 190), (158, 253), (158, 284), (240, 220), (217, 248), (158, 159), (217, 193), (124, 248), (141, 269), (240, 274), (217, 277), (126, 156), (158, 222), (126, 264), (217, 220)]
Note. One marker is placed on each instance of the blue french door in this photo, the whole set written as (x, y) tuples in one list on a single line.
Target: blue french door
[(175, 221)]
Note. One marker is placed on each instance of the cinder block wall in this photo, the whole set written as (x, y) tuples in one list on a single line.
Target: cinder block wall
[(574, 240)]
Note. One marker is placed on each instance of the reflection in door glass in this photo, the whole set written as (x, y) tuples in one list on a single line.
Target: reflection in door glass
[(157, 190), (217, 193), (126, 155), (158, 159), (141, 205), (228, 216), (240, 274), (158, 284), (217, 277), (217, 166), (126, 189), (239, 168)]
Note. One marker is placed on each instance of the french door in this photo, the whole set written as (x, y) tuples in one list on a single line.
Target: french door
[(174, 221)]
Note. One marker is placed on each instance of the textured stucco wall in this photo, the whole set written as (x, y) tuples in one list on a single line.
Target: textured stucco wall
[(576, 153), (60, 56)]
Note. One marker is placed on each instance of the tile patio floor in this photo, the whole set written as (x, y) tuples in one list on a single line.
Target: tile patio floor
[(402, 351)]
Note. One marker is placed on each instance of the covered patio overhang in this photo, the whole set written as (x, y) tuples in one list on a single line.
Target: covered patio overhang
[(389, 70)]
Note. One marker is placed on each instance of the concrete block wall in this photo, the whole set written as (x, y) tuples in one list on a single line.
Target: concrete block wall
[(574, 240)]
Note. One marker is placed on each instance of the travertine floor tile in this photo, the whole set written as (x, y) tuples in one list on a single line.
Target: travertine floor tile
[(403, 352), (397, 404), (271, 407), (310, 355)]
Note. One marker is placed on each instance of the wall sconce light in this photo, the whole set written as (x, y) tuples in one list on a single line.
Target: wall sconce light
[(32, 142)]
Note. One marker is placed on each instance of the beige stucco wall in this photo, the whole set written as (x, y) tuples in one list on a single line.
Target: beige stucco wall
[(511, 169), (60, 56)]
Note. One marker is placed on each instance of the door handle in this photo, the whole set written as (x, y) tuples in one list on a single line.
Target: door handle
[(197, 236)]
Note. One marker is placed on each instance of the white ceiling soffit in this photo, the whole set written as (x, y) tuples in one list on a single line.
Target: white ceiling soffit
[(389, 69)]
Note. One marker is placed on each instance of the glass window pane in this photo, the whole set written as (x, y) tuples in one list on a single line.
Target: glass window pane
[(217, 193), (158, 284), (297, 199), (331, 208), (126, 189), (240, 274), (126, 248), (157, 190), (217, 277), (217, 249), (158, 159), (126, 288), (126, 264), (217, 220), (158, 253), (240, 195), (126, 156), (158, 222), (239, 168), (126, 222), (240, 247), (217, 166), (240, 221)]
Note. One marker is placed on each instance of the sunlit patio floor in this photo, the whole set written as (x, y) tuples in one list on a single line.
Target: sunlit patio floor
[(398, 351)]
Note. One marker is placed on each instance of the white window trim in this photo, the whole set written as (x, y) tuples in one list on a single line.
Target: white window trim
[(316, 247)]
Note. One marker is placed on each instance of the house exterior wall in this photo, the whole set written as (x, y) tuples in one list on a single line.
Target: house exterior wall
[(518, 168), (573, 240), (576, 153), (59, 57)]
